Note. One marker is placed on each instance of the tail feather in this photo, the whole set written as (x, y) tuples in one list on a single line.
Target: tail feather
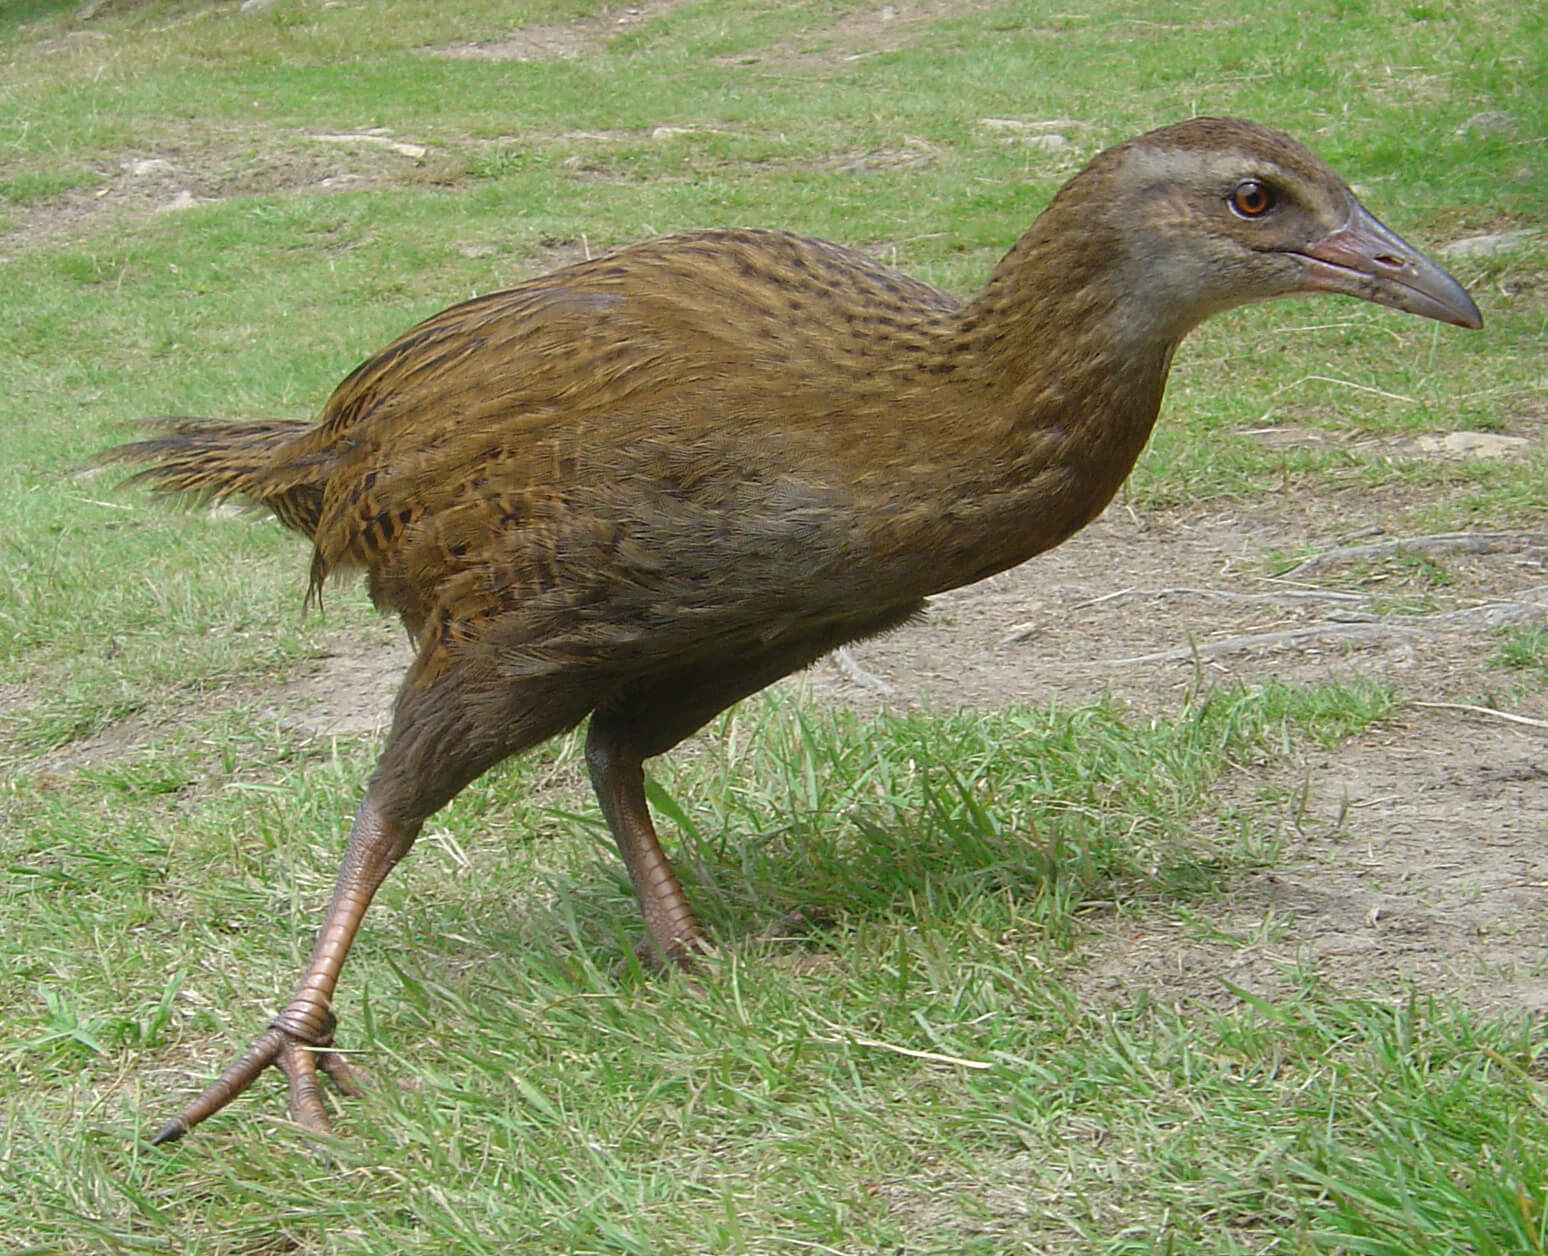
[(214, 460)]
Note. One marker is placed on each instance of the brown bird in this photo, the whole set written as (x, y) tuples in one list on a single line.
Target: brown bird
[(645, 486)]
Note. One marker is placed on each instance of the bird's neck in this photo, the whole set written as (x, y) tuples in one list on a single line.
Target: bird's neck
[(1069, 375)]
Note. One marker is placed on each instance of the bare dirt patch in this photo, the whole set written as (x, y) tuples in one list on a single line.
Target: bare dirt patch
[(863, 33), (1064, 626), (345, 690), (1417, 862), (548, 41), (176, 172)]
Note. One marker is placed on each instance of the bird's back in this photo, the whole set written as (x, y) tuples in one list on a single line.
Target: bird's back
[(687, 427)]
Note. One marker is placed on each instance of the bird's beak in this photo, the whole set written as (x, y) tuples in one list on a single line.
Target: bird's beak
[(1366, 260)]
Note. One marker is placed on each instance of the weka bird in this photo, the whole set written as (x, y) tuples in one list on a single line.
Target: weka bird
[(647, 485)]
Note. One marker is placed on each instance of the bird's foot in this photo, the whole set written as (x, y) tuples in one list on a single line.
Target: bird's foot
[(684, 954), (298, 1059)]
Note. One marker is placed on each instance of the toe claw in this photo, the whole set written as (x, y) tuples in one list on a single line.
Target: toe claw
[(170, 1132)]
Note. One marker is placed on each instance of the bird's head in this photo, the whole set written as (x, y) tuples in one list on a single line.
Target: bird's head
[(1216, 212)]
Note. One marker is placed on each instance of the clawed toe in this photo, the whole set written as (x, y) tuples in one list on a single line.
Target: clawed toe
[(681, 956), (350, 1081), (299, 1061)]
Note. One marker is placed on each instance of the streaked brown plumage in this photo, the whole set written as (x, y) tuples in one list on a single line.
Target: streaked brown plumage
[(643, 487)]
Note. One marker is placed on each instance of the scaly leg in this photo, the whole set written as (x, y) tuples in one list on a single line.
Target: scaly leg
[(671, 929), (295, 1040)]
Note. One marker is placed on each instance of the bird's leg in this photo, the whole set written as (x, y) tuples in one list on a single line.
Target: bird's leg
[(296, 1039), (650, 719), (672, 931)]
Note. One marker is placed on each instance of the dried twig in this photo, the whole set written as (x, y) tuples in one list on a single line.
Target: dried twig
[(1346, 625), (850, 666), (1263, 640), (1488, 615), (1438, 543), (934, 1057), (1524, 605), (1483, 710), (1017, 633)]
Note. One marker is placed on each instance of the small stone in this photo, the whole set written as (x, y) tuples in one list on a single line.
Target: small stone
[(1491, 122), (183, 200), (150, 168), (1027, 124), (255, 6), (1491, 245), (1472, 445), (373, 137)]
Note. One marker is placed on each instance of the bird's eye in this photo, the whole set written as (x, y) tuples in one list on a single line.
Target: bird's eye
[(1251, 199)]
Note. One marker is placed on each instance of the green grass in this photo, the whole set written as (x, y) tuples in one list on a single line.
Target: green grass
[(1524, 650), (555, 1106), (927, 1078)]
